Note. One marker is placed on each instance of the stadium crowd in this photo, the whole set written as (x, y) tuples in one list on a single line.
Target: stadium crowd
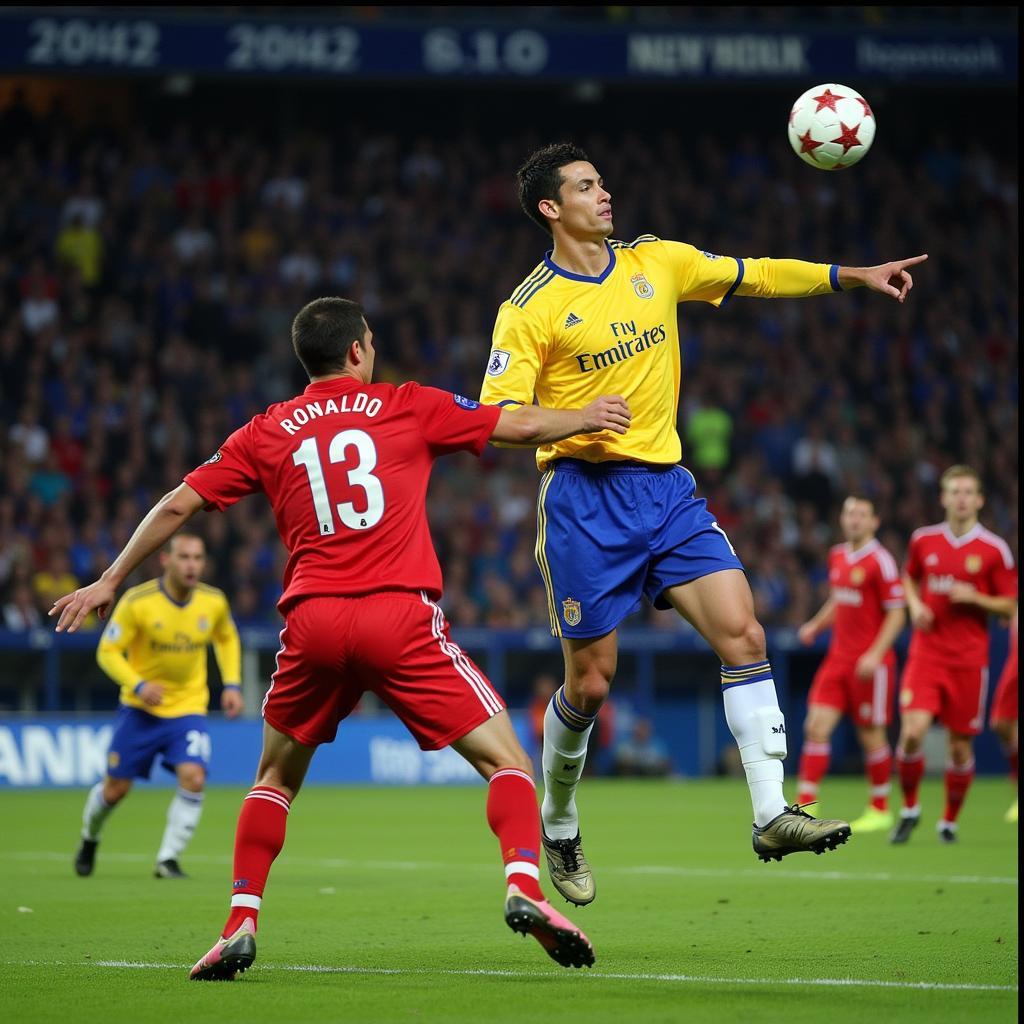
[(147, 286)]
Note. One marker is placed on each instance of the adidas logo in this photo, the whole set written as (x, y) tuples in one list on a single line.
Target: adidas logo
[(572, 320)]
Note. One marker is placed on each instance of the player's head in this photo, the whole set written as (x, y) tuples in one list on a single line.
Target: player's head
[(183, 559), (560, 190), (962, 494), (331, 337), (858, 519)]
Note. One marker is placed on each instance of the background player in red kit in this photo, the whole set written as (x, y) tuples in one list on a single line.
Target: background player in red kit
[(866, 610), (957, 574), (345, 466), (1003, 716)]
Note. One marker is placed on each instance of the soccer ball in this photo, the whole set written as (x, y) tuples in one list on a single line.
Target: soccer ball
[(831, 127)]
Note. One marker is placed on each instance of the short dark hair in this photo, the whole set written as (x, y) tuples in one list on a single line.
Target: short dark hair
[(323, 331), (541, 178), (169, 543), (865, 499)]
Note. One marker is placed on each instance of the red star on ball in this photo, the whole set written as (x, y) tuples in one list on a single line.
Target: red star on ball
[(807, 144), (864, 103), (848, 137), (827, 99)]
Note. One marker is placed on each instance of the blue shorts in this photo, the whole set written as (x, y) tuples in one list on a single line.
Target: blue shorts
[(610, 533), (139, 737)]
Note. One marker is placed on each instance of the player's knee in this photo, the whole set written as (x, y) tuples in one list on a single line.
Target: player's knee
[(589, 692), (961, 751), (911, 740), (1003, 729), (814, 732), (192, 777), (115, 790), (744, 643)]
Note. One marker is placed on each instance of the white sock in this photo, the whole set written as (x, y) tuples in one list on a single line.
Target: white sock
[(566, 732), (752, 711), (182, 817), (95, 812)]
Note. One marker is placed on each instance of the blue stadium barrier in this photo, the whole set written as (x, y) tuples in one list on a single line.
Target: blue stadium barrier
[(668, 677), (71, 752)]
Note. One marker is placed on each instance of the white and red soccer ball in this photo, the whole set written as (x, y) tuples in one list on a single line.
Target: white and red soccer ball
[(831, 127)]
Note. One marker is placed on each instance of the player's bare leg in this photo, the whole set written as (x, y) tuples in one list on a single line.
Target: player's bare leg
[(182, 818), (720, 607), (589, 668), (259, 838), (877, 816), (819, 725), (102, 799), (493, 749), (914, 726)]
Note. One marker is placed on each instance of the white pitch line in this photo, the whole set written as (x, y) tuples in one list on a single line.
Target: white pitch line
[(637, 869), (593, 976)]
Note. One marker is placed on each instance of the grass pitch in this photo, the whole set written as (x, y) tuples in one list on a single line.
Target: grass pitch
[(386, 906)]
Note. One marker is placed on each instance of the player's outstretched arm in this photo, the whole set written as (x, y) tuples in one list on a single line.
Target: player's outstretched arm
[(172, 511), (889, 278), (531, 425)]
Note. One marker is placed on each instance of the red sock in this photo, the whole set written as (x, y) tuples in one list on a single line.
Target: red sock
[(258, 840), (814, 760), (513, 816), (1011, 756), (958, 781), (911, 769), (878, 766)]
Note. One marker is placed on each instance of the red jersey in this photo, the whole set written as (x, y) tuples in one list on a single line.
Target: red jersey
[(936, 559), (345, 466), (864, 585)]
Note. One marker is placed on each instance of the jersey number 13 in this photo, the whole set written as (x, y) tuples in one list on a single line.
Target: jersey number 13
[(359, 476)]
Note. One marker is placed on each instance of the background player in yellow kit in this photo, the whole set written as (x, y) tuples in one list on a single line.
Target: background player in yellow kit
[(617, 517), (154, 648)]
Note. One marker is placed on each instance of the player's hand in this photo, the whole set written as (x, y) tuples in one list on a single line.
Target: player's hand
[(231, 702), (867, 666), (74, 608), (922, 618), (806, 634), (609, 412), (151, 694), (963, 593), (893, 278)]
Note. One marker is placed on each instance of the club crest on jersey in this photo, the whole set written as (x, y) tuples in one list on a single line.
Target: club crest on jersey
[(857, 575), (466, 403), (498, 363), (642, 286), (113, 759), (572, 612), (709, 255), (973, 563), (112, 633), (202, 623)]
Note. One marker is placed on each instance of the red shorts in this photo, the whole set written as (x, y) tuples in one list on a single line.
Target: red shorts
[(1004, 703), (397, 646), (954, 696), (866, 701)]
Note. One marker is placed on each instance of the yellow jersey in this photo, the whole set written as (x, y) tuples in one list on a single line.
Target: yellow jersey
[(563, 339), (153, 638)]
